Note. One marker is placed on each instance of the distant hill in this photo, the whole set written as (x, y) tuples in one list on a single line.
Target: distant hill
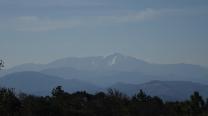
[(41, 84), (168, 90)]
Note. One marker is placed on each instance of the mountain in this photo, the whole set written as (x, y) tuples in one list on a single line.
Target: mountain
[(107, 70), (41, 84), (114, 62), (168, 90)]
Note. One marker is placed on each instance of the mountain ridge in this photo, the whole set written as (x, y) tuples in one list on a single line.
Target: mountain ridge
[(106, 70), (33, 82), (168, 90), (41, 84)]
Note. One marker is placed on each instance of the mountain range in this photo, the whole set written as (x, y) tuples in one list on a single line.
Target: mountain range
[(98, 72)]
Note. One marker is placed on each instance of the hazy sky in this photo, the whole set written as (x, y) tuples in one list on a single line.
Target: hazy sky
[(159, 31)]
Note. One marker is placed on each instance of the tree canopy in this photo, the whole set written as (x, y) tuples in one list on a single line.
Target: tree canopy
[(112, 103)]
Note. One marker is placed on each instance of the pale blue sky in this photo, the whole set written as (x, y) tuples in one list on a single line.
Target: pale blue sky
[(159, 31)]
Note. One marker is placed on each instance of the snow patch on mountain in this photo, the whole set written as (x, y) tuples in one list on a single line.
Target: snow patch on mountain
[(113, 61)]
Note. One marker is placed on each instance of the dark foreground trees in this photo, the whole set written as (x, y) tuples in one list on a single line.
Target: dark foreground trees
[(113, 103)]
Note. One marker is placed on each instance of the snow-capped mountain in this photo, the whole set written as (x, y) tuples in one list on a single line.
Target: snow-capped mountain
[(114, 61)]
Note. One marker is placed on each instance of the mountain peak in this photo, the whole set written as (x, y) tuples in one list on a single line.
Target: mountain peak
[(116, 54), (114, 58)]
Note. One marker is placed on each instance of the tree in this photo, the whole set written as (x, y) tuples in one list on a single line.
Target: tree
[(141, 97), (9, 103), (197, 104), (116, 103), (144, 105), (1, 64), (56, 92)]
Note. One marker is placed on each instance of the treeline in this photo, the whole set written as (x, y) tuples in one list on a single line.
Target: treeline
[(112, 103)]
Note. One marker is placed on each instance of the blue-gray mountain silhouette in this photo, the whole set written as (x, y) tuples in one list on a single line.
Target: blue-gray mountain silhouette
[(168, 90), (110, 69), (41, 84)]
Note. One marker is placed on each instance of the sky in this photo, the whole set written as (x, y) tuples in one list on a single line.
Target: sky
[(157, 31)]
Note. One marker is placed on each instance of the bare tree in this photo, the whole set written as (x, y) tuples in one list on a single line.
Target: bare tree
[(1, 64)]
